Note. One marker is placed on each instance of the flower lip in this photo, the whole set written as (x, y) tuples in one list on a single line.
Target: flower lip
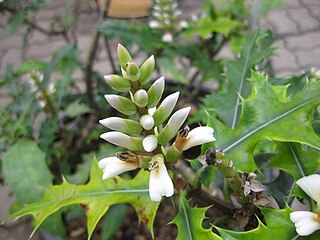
[(196, 136), (113, 166), (160, 183), (311, 186), (305, 222)]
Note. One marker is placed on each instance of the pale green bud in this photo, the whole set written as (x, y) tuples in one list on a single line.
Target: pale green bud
[(141, 98), (123, 140), (165, 108), (150, 143), (173, 125), (118, 83), (155, 92), (122, 104), (146, 70), (123, 56), (133, 71), (147, 122), (122, 125), (173, 154)]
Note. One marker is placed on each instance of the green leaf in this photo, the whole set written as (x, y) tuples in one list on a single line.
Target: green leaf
[(15, 22), (113, 221), (169, 66), (296, 160), (207, 25), (96, 197), (189, 222), (278, 227), (227, 104), (76, 109), (26, 171), (264, 117)]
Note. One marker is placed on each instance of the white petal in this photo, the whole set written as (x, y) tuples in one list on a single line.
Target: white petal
[(112, 166), (160, 184), (311, 186), (151, 111), (167, 37), (154, 24), (150, 143), (198, 136), (305, 222), (147, 122)]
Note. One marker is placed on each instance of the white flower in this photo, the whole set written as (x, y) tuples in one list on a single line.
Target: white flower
[(113, 166), (311, 186), (167, 37), (123, 140), (308, 222), (154, 24), (305, 222), (160, 183), (195, 137), (150, 143)]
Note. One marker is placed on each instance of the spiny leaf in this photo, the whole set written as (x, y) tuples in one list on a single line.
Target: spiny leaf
[(95, 197), (278, 227), (189, 221), (263, 117), (227, 104), (296, 160)]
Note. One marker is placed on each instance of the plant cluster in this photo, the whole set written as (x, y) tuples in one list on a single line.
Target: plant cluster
[(230, 162)]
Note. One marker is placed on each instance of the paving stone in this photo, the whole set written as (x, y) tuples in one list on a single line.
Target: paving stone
[(292, 4), (308, 59), (280, 22), (302, 41), (303, 19), (315, 12), (13, 57), (13, 42), (42, 51), (310, 2), (103, 68), (283, 59), (84, 43)]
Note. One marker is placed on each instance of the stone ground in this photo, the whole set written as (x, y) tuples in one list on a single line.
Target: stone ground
[(296, 23)]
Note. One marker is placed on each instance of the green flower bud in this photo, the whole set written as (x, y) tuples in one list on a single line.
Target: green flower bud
[(146, 70), (173, 154), (173, 125), (118, 83), (141, 98), (155, 92), (123, 56), (133, 71), (165, 108), (121, 104), (122, 125)]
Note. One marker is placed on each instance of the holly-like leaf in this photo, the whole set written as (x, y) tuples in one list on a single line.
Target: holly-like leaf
[(95, 197), (264, 116), (296, 160), (278, 226), (227, 103), (189, 222)]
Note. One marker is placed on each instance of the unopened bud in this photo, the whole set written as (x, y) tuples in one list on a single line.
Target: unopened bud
[(165, 108), (123, 56), (123, 140), (146, 70), (147, 122), (150, 143), (141, 98), (122, 104), (122, 125), (118, 83), (155, 92), (133, 72), (173, 125)]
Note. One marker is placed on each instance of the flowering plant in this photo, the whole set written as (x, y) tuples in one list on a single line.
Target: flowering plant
[(241, 163)]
